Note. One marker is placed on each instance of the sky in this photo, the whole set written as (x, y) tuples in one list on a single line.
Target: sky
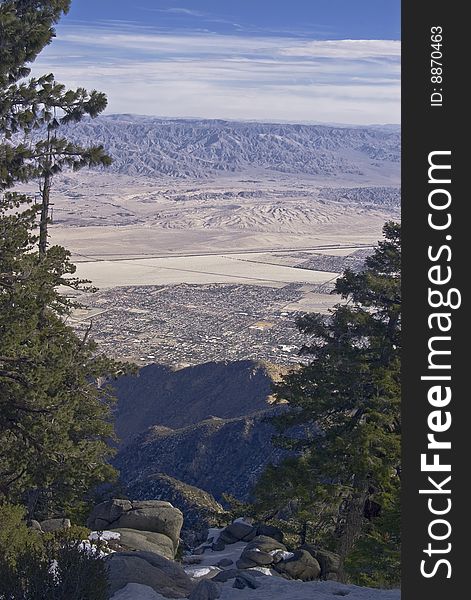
[(335, 61)]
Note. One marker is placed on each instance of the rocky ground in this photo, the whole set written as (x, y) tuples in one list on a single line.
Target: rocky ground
[(140, 542)]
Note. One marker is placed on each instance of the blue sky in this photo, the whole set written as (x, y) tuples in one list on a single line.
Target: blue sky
[(291, 60)]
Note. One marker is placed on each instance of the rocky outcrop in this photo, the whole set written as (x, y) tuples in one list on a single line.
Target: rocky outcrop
[(163, 576), (329, 561), (200, 510), (151, 525), (54, 525), (147, 541), (301, 565)]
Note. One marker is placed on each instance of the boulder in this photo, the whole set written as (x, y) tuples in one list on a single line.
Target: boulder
[(239, 530), (218, 546), (225, 562), (227, 538), (239, 583), (253, 557), (106, 513), (54, 525), (35, 525), (301, 566), (266, 544), (146, 568), (328, 561), (250, 580), (205, 590), (154, 515), (148, 541), (150, 516), (244, 580), (270, 531), (224, 576)]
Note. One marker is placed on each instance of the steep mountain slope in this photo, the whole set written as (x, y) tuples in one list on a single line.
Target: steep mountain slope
[(161, 396), (217, 455), (201, 148)]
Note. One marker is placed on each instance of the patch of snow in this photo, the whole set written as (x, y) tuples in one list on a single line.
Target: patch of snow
[(244, 520), (89, 548), (104, 536), (283, 553), (198, 572), (136, 591), (277, 588)]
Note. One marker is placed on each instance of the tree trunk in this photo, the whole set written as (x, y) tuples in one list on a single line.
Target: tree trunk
[(351, 526), (45, 198)]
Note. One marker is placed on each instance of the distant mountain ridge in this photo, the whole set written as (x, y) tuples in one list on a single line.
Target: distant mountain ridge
[(206, 426), (169, 398), (200, 148), (216, 455)]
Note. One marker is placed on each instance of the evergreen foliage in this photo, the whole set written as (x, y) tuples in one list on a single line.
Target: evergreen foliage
[(59, 568), (349, 474), (55, 425)]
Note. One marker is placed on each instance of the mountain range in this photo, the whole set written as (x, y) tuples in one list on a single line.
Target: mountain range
[(198, 148)]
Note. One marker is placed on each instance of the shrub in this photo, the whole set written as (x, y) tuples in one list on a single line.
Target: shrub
[(57, 568), (15, 536)]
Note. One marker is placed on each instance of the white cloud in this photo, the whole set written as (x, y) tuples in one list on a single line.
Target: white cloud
[(345, 49), (216, 76)]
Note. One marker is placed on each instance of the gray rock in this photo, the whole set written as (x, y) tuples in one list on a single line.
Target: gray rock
[(150, 516), (250, 580), (265, 544), (164, 576), (244, 563), (205, 590), (227, 538), (157, 516), (329, 561), (35, 525), (224, 576), (199, 551), (239, 583), (218, 546), (301, 566), (225, 562), (147, 541), (241, 531), (107, 512), (54, 525), (260, 558), (270, 531)]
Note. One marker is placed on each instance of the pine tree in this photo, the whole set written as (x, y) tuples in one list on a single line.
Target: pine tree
[(55, 422), (26, 26), (350, 391)]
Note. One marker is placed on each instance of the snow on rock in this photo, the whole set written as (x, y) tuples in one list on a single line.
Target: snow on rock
[(244, 520), (283, 553), (104, 536), (199, 571), (136, 591)]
